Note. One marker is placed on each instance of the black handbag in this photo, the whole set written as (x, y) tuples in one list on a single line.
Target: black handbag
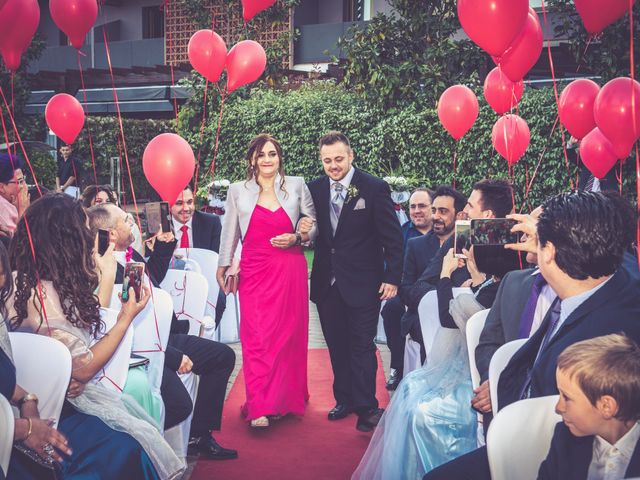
[(33, 463)]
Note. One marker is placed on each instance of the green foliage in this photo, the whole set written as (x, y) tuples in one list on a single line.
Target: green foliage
[(410, 55), (607, 55)]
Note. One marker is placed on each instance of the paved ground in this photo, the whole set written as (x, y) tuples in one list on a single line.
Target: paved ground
[(316, 340)]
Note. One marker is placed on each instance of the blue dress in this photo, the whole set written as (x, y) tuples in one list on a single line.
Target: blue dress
[(98, 451)]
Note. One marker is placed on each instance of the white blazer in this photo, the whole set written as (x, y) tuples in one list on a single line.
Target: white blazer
[(242, 198)]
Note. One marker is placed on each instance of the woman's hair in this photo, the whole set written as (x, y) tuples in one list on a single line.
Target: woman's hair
[(255, 148), (63, 254), (91, 192), (6, 282)]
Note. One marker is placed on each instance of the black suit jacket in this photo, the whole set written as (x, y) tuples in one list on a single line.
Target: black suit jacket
[(418, 255), (367, 247), (614, 308), (570, 456), (206, 231), (503, 321)]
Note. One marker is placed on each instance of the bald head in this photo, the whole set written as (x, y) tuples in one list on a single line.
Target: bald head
[(114, 220)]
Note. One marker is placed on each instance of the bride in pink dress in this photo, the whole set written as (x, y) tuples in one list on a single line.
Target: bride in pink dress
[(273, 215)]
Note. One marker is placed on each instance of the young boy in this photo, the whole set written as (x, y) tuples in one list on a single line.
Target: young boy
[(599, 385)]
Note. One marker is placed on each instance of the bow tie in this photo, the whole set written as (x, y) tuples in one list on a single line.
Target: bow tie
[(128, 255)]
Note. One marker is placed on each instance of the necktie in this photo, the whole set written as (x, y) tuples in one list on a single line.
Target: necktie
[(337, 201), (549, 327), (526, 320), (184, 240)]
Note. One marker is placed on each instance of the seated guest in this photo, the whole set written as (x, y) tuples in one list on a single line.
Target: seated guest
[(430, 420), (195, 229), (417, 226), (212, 361), (599, 385), (14, 198), (54, 296), (579, 239)]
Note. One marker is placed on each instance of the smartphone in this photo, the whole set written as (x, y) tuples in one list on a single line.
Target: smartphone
[(103, 241), (493, 231), (158, 216), (133, 275), (461, 237)]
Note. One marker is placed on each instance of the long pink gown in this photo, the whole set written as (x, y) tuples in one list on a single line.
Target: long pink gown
[(274, 311)]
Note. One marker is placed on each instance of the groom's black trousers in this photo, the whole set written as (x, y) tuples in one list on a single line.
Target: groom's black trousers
[(349, 333)]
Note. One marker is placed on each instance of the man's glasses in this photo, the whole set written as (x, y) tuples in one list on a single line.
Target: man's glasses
[(19, 181), (419, 206)]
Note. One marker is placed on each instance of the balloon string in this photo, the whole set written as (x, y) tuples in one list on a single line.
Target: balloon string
[(121, 179), (13, 111), (204, 117), (589, 39), (124, 141), (212, 168), (535, 171), (455, 160), (632, 71), (555, 91), (618, 173), (17, 134), (33, 255), (86, 112)]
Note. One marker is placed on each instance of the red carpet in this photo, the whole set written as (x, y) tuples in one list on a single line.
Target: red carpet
[(309, 447)]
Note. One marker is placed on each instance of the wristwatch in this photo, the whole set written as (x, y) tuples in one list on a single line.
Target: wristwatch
[(29, 397), (298, 239)]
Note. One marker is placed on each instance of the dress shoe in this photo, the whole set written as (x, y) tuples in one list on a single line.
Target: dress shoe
[(368, 420), (394, 380), (209, 449), (339, 412)]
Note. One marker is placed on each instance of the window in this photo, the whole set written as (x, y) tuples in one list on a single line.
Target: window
[(152, 22), (353, 10)]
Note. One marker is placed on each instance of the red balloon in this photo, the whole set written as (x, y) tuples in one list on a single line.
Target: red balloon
[(458, 110), (525, 50), (622, 150), (250, 8), (617, 113), (18, 23), (501, 93), (246, 62), (74, 17), (168, 163), (576, 106), (492, 24), (65, 117), (208, 54), (510, 137), (597, 14), (596, 152), (2, 2)]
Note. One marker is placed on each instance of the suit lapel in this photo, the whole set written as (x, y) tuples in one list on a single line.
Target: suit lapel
[(349, 203), (201, 231)]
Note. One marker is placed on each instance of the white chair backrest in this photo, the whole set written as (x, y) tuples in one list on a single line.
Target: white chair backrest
[(208, 261), (474, 328), (412, 360), (45, 373), (429, 317), (519, 437), (7, 425), (114, 374), (188, 292), (498, 362), (229, 328)]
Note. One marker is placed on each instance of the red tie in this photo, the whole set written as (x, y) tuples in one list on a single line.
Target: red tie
[(184, 240)]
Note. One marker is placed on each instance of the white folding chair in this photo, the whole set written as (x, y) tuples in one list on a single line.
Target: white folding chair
[(514, 454), (474, 328), (381, 336), (412, 360), (498, 362), (48, 378), (208, 262), (114, 374), (7, 425), (189, 292), (229, 328)]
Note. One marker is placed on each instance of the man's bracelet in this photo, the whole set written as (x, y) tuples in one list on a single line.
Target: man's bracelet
[(298, 239)]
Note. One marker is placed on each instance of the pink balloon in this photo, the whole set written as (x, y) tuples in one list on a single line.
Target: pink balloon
[(458, 110), (617, 113), (168, 163), (510, 137), (207, 54), (597, 154), (598, 14), (250, 8), (65, 117), (246, 62), (576, 106), (501, 93), (492, 24), (74, 17), (18, 23), (525, 50)]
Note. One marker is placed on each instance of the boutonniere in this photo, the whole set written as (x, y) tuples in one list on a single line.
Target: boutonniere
[(352, 192)]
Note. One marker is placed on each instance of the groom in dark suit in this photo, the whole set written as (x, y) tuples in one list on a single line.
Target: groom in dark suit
[(357, 264)]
